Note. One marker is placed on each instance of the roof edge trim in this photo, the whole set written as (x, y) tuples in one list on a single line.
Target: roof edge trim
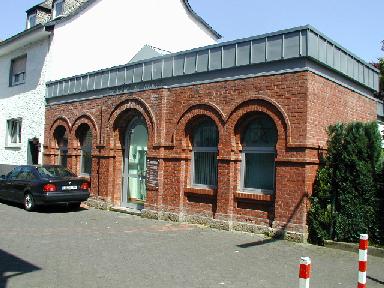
[(200, 19), (38, 27)]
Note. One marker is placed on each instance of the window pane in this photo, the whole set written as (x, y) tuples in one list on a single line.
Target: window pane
[(18, 69), (14, 131), (260, 133), (205, 168), (205, 135), (19, 64), (31, 20), (86, 153), (58, 8), (259, 170), (54, 171), (63, 158)]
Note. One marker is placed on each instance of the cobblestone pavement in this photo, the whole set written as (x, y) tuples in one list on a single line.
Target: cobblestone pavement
[(92, 248)]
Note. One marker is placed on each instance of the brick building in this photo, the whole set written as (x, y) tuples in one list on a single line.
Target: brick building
[(68, 37), (227, 135)]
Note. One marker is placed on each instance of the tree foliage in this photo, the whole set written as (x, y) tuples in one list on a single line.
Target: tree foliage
[(344, 202)]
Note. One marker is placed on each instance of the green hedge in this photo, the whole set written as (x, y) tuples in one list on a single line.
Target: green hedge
[(346, 192)]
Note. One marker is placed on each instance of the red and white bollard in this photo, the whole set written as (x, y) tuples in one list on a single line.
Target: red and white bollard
[(304, 272), (363, 256)]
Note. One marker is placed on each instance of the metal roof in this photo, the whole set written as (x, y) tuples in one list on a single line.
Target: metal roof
[(286, 50)]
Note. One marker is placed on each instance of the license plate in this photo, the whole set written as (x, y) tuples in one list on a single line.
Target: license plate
[(69, 187)]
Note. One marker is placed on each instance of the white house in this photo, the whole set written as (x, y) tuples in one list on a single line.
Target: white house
[(106, 33), (22, 88), (69, 37)]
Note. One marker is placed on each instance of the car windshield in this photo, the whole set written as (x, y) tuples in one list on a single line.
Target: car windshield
[(54, 171)]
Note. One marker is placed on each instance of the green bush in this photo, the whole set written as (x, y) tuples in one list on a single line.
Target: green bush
[(344, 203)]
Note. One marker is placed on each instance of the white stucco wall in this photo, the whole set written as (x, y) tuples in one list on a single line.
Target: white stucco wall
[(24, 101), (111, 32), (381, 129)]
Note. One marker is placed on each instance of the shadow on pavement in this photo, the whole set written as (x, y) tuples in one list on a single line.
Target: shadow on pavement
[(58, 209), (54, 208), (258, 243), (375, 280), (12, 266)]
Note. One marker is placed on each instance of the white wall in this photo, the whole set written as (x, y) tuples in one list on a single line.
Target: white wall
[(111, 32), (24, 101), (381, 129)]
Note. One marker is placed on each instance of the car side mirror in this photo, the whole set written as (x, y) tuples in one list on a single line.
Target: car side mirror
[(3, 177)]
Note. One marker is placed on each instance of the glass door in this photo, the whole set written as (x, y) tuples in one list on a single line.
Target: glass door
[(135, 170)]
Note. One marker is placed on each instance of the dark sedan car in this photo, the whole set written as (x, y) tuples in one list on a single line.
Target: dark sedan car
[(41, 185)]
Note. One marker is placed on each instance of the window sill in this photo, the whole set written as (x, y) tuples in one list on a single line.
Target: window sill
[(13, 146), (16, 84), (85, 175), (201, 191), (254, 196)]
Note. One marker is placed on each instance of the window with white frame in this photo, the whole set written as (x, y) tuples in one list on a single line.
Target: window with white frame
[(13, 137), (18, 71), (258, 155), (58, 8), (204, 154), (31, 20)]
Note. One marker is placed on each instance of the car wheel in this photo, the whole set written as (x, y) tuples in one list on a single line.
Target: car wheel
[(29, 202)]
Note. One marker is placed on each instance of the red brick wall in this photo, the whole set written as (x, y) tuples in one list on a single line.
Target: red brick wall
[(329, 103), (301, 104)]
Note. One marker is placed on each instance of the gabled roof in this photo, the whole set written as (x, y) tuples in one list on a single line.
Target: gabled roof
[(201, 20), (90, 2), (148, 52), (23, 38), (46, 5)]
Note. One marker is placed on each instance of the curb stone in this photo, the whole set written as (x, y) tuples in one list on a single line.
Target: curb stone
[(354, 247)]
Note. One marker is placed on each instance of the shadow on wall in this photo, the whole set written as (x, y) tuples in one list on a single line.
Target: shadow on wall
[(36, 57), (12, 266), (279, 234)]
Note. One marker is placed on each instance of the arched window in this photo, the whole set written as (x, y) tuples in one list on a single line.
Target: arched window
[(258, 155), (204, 150), (61, 137), (84, 134)]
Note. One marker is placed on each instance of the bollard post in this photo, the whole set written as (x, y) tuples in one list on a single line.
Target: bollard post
[(304, 272), (363, 256)]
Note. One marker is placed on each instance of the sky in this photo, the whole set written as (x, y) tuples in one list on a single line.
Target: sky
[(357, 25)]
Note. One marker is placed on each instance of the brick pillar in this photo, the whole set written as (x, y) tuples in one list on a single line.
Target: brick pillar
[(225, 189), (291, 197)]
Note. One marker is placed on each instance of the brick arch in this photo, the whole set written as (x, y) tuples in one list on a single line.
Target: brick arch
[(261, 105), (60, 121), (194, 112), (133, 105), (191, 114), (90, 121)]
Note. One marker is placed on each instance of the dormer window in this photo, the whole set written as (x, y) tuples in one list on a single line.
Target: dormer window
[(58, 8), (31, 20)]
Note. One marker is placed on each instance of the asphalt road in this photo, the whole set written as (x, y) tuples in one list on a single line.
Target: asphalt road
[(94, 248)]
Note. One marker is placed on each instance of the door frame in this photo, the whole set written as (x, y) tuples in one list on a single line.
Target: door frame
[(125, 183)]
